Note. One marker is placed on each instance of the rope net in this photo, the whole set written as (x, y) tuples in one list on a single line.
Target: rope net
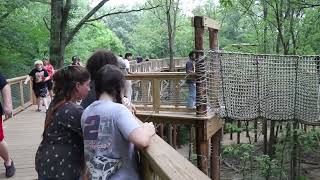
[(249, 86)]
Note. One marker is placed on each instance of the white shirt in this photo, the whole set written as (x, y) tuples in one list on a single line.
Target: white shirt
[(127, 63)]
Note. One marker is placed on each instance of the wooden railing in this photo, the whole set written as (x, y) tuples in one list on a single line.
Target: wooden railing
[(158, 91), (21, 93), (161, 162), (162, 104), (156, 65)]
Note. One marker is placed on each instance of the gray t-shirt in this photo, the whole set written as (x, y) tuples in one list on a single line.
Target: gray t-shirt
[(108, 153), (122, 66)]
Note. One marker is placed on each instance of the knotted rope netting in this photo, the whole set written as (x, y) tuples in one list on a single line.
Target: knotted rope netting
[(250, 86)]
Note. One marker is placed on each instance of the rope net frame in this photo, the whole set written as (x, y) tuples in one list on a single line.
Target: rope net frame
[(250, 86)]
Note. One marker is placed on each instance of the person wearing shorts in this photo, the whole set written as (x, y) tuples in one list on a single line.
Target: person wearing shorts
[(49, 68), (7, 110), (39, 77)]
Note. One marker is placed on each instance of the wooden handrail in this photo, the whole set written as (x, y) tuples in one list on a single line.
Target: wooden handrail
[(159, 75), (16, 79), (161, 160), (20, 95)]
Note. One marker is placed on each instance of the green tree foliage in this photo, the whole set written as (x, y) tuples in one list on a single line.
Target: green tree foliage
[(246, 26)]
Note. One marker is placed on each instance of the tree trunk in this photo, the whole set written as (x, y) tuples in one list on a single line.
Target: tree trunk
[(265, 30), (170, 28), (56, 47)]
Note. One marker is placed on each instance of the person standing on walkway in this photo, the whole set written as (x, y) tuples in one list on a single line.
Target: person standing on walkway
[(76, 61), (7, 110), (39, 77), (111, 132), (128, 89), (60, 153), (49, 68), (190, 69)]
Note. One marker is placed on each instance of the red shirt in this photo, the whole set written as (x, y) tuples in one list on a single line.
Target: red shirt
[(49, 69)]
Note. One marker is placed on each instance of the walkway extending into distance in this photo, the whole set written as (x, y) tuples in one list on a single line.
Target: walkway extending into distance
[(23, 134)]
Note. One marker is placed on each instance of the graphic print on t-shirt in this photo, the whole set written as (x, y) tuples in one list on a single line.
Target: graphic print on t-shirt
[(97, 141), (39, 76)]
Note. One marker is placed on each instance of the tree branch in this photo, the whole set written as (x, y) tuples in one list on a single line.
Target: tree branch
[(123, 12), (84, 20), (45, 22)]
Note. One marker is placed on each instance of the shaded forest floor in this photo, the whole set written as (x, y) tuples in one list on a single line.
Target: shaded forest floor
[(231, 167)]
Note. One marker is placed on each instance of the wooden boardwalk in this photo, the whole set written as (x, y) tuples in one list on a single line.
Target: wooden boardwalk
[(23, 135)]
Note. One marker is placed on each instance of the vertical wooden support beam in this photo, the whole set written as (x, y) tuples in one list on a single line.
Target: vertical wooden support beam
[(201, 143), (176, 87), (255, 130), (216, 138), (265, 136), (238, 133), (202, 149), (213, 39), (174, 136), (156, 94), (215, 155), (144, 92), (21, 94), (147, 171), (200, 66), (33, 98)]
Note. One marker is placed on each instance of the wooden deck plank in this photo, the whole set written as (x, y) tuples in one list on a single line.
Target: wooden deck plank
[(23, 135)]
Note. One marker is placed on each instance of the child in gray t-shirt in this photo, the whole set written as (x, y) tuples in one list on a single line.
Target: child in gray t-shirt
[(110, 131)]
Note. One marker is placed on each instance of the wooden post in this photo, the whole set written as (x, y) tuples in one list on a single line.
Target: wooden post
[(216, 138), (215, 155), (147, 171), (201, 144), (156, 94), (213, 38), (238, 133), (33, 98), (200, 67), (174, 136), (21, 94), (255, 130), (144, 92), (176, 92), (202, 149)]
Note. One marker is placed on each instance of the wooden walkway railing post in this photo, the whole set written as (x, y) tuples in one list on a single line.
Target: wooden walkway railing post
[(199, 23), (202, 144), (216, 138)]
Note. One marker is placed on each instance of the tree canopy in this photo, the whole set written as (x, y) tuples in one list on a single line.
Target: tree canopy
[(264, 26)]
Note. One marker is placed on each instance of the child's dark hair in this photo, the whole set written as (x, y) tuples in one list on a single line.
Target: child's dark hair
[(98, 59), (191, 53), (65, 81), (127, 55), (110, 80)]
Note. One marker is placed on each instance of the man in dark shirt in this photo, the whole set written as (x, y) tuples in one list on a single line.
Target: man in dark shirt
[(7, 110), (190, 69)]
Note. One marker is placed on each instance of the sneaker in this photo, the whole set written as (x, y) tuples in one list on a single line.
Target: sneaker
[(10, 170), (38, 110)]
